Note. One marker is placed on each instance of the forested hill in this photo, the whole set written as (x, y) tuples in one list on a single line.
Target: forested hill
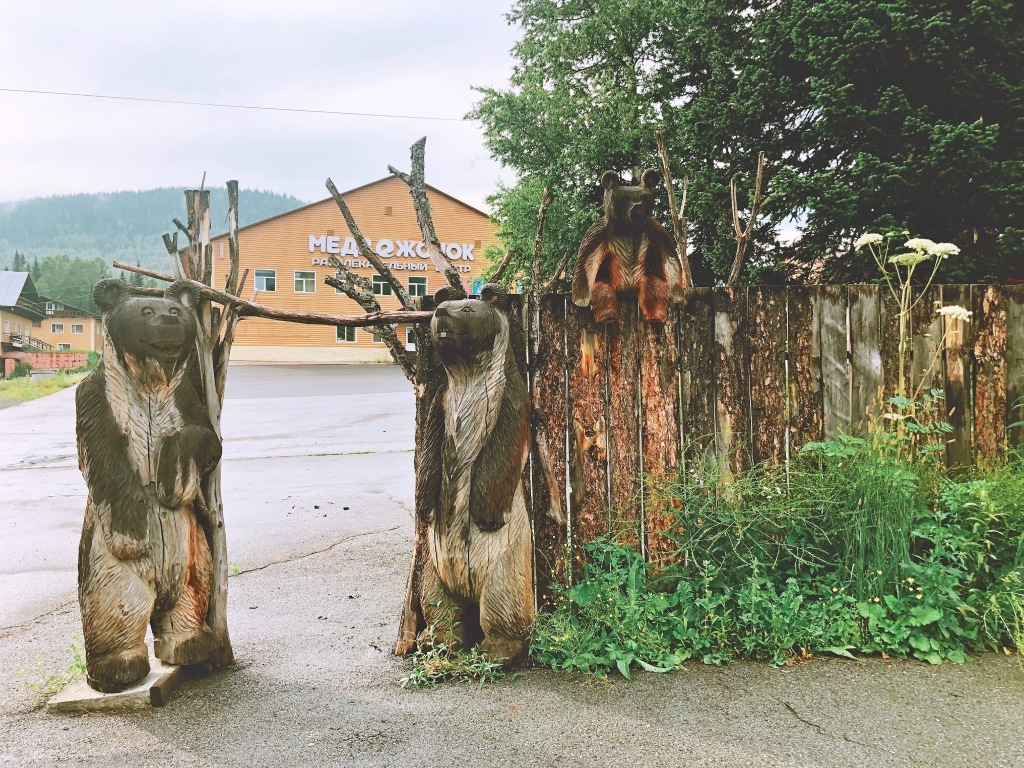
[(126, 226)]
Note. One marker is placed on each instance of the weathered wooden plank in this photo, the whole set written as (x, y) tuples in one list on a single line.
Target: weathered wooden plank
[(866, 381), (549, 504), (768, 340), (925, 372), (889, 343), (958, 336), (586, 363), (990, 410), (626, 497), (805, 389), (835, 370), (696, 376), (660, 436), (1014, 297), (732, 381)]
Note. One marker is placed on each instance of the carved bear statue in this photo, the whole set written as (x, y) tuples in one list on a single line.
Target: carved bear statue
[(627, 252), (145, 443), (479, 576)]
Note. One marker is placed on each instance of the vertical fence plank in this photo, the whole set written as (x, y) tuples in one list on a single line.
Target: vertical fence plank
[(835, 370), (625, 495), (696, 372), (958, 337), (550, 506), (588, 453), (1014, 296), (732, 388), (865, 354), (768, 338), (989, 322), (805, 388), (659, 398), (889, 343), (925, 343)]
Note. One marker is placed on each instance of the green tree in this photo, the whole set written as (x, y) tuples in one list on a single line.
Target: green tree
[(71, 280), (18, 263), (35, 270), (873, 115)]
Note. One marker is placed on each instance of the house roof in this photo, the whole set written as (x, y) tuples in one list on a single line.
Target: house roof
[(435, 190), (66, 310), (18, 294)]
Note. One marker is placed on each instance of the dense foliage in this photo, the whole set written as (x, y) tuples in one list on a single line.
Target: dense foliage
[(123, 226), (873, 115), (866, 545)]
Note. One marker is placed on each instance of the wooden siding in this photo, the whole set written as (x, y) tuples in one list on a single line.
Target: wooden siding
[(282, 244)]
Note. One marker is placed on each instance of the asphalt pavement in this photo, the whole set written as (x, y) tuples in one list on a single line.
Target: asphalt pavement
[(318, 478)]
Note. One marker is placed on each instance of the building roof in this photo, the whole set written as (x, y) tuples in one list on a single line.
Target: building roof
[(66, 310), (435, 190), (18, 294)]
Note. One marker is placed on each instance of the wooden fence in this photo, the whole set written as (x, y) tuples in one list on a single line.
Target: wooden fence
[(742, 376)]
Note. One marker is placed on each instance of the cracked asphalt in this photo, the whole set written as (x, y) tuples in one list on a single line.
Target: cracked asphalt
[(318, 495)]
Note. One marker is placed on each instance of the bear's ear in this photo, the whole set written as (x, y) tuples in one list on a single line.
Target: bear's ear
[(494, 293), (610, 180), (183, 293), (107, 294), (447, 293), (650, 179)]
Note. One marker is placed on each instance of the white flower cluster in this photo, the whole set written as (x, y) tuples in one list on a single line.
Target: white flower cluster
[(920, 244), (942, 250), (869, 238), (955, 312)]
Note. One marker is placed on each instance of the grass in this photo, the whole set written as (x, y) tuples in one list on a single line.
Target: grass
[(23, 389), (46, 681)]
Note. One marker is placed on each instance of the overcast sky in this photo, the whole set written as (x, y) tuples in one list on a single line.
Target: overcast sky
[(409, 57)]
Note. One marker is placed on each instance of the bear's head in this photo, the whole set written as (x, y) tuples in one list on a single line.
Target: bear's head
[(149, 328), (464, 328), (629, 207)]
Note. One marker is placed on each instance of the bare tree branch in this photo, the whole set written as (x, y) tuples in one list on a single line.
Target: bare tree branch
[(499, 273), (744, 236), (417, 188), (252, 309), (558, 273), (680, 226), (538, 242), (366, 252)]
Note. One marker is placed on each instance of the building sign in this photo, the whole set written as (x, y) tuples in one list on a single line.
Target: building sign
[(388, 248)]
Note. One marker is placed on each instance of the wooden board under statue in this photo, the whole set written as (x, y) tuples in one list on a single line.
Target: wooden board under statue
[(477, 583), (145, 444), (627, 253)]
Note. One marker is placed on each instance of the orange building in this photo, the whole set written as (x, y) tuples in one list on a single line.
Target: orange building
[(288, 258), (68, 328)]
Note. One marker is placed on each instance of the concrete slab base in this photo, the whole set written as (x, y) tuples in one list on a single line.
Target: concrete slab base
[(153, 691)]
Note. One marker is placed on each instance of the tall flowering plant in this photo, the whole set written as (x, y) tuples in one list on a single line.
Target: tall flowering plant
[(898, 272)]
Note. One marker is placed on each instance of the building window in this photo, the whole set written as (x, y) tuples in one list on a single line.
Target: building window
[(7, 326), (77, 328), (63, 347), (266, 280), (51, 307), (417, 286), (410, 339), (346, 333), (377, 338), (56, 327), (381, 287), (305, 282)]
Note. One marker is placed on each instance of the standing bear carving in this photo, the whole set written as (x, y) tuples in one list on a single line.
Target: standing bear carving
[(479, 576), (627, 252), (145, 444)]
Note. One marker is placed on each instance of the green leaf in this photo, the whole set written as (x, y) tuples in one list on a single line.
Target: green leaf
[(924, 614), (623, 665), (652, 668), (840, 650)]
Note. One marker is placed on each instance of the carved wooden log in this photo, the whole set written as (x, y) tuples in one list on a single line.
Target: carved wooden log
[(469, 483), (627, 252), (145, 446)]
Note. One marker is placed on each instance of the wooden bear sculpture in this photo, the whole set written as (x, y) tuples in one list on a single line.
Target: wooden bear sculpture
[(479, 576), (627, 252), (145, 444)]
